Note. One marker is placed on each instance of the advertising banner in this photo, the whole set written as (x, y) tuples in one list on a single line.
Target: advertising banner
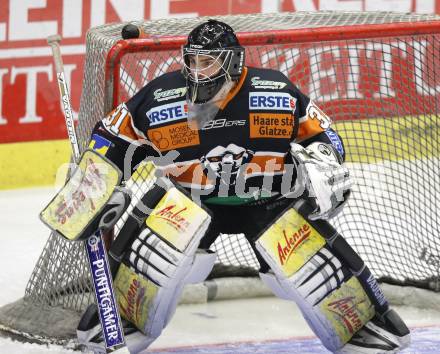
[(29, 103)]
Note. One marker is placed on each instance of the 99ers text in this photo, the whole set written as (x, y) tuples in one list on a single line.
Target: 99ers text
[(223, 123)]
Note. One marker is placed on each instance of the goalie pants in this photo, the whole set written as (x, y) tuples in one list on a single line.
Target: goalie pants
[(247, 219)]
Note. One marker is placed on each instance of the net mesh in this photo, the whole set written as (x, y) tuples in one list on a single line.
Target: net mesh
[(381, 92)]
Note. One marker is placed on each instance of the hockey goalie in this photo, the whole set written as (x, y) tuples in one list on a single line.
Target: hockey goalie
[(243, 151)]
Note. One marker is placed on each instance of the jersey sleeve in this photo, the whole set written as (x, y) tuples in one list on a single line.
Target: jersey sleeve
[(120, 137), (329, 136), (312, 120), (314, 124), (120, 123)]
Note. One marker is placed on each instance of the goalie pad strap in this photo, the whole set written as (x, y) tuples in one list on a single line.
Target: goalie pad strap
[(348, 256), (132, 225)]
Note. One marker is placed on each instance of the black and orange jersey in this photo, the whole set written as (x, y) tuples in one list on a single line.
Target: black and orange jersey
[(235, 158)]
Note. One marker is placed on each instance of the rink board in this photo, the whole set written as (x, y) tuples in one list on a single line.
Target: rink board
[(423, 341), (32, 164)]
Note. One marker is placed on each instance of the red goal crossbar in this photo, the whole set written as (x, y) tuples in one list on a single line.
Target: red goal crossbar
[(289, 36)]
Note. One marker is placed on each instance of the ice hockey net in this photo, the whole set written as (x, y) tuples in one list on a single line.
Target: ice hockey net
[(376, 74)]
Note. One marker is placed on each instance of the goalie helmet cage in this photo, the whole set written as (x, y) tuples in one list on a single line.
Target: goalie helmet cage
[(375, 74)]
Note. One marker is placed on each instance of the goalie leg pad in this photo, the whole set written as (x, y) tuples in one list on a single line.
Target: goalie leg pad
[(158, 261), (333, 303), (164, 271), (149, 305), (333, 300), (161, 260)]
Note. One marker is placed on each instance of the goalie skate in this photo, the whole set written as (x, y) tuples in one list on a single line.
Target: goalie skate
[(89, 332), (379, 336)]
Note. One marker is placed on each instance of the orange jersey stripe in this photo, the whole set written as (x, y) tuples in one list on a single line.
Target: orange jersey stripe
[(314, 122), (235, 90), (266, 163), (119, 123), (308, 128), (127, 130)]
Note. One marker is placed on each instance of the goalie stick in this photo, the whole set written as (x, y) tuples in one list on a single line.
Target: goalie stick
[(96, 254)]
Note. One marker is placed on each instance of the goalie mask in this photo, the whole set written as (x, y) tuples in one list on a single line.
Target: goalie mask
[(212, 62)]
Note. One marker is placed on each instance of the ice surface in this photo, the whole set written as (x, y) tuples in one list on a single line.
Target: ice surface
[(265, 325)]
